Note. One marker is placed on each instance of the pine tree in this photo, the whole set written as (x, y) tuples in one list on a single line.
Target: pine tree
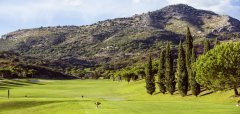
[(169, 76), (206, 46), (212, 71), (195, 87), (182, 77), (161, 76), (150, 82)]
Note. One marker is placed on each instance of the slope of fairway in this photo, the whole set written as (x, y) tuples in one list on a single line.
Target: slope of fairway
[(64, 97)]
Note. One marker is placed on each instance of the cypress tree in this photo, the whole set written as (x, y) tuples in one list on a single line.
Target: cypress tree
[(206, 46), (169, 76), (150, 82), (182, 77), (189, 46), (195, 87), (188, 51), (161, 76)]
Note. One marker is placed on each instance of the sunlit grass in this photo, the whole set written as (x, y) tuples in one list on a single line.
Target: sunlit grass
[(64, 97)]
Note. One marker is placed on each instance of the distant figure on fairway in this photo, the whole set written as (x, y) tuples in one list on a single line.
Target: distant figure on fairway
[(238, 103), (97, 104), (82, 96)]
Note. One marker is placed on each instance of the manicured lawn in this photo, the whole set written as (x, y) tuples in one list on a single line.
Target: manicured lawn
[(64, 97)]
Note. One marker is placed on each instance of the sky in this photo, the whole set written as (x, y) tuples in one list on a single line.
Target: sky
[(21, 14)]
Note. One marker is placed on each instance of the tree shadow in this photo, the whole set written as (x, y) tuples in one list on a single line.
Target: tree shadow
[(203, 89), (189, 94), (11, 83), (7, 84), (28, 82), (24, 104), (4, 88), (210, 92), (156, 93)]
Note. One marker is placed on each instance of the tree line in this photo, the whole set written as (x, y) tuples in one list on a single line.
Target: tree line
[(192, 73)]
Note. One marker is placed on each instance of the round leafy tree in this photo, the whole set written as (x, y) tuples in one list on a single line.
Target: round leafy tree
[(219, 68)]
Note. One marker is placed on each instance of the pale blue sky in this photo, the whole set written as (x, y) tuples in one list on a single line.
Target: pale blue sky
[(20, 14)]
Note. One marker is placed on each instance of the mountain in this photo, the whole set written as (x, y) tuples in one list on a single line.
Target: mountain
[(117, 42)]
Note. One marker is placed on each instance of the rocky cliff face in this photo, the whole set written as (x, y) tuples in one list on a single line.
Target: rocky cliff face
[(116, 39)]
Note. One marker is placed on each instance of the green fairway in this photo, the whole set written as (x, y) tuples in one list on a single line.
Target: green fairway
[(64, 97)]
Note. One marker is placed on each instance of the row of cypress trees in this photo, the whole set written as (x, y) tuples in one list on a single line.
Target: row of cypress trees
[(185, 75)]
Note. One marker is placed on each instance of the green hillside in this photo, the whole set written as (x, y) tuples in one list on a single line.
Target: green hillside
[(117, 40)]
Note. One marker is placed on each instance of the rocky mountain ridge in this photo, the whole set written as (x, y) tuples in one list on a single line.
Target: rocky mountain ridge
[(120, 39)]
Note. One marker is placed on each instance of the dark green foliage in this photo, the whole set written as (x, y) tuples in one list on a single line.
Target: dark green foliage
[(133, 75), (216, 42), (195, 87), (206, 46), (189, 46), (188, 50), (169, 76), (219, 68), (96, 74), (161, 76), (8, 93), (76, 72), (107, 74), (5, 73), (12, 65), (140, 72), (150, 81), (16, 71), (181, 74), (127, 75)]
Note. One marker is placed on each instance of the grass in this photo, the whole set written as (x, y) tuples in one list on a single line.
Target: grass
[(64, 97)]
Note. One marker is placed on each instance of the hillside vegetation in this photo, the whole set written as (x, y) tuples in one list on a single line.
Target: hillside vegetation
[(117, 43)]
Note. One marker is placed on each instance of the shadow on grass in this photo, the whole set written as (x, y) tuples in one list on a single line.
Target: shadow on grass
[(4, 88), (11, 83), (29, 82), (11, 105), (210, 92), (7, 84), (156, 93), (203, 89)]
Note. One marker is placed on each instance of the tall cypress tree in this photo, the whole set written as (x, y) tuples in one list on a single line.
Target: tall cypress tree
[(188, 51), (169, 76), (182, 77), (150, 82), (195, 87), (206, 46), (161, 76), (189, 46)]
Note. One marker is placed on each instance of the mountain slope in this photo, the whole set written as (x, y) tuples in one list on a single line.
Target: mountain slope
[(118, 39)]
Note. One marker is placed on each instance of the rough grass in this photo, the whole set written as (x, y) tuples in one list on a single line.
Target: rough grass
[(64, 97)]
